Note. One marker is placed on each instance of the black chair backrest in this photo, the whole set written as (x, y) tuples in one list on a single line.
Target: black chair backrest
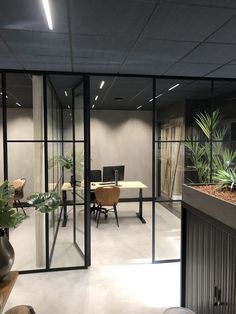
[(95, 175)]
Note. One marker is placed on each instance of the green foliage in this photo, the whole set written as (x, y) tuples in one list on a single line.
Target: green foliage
[(9, 217), (66, 162), (44, 202), (226, 179), (201, 152)]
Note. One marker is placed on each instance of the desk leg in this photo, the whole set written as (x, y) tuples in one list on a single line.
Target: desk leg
[(64, 209), (140, 213)]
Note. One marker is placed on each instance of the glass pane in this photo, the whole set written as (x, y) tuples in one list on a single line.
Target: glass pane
[(62, 89), (170, 158), (79, 198), (66, 225), (24, 106), (1, 134), (167, 230), (79, 112), (26, 160), (177, 103), (54, 114)]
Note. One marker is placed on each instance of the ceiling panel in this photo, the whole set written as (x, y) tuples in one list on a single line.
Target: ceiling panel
[(145, 67), (29, 15), (188, 69), (99, 48), (227, 71), (181, 22), (211, 3), (92, 67), (161, 50), (225, 34), (110, 17), (212, 53), (36, 43)]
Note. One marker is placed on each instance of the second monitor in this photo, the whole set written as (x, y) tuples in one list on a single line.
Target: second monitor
[(109, 173)]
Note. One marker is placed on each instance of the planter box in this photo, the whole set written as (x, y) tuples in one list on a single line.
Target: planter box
[(214, 207)]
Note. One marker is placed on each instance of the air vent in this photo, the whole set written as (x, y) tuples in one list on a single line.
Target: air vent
[(118, 98)]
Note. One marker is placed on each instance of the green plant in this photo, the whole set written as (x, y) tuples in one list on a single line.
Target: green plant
[(9, 217), (202, 154), (226, 179), (44, 202)]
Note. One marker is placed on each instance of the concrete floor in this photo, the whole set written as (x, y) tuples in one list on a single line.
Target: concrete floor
[(121, 278), (133, 289)]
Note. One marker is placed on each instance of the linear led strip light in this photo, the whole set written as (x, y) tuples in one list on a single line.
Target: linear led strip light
[(47, 11)]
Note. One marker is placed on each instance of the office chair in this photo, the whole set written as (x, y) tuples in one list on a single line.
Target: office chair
[(107, 196), (95, 176), (18, 185)]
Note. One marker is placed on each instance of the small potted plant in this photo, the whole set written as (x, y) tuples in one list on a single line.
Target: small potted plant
[(10, 218)]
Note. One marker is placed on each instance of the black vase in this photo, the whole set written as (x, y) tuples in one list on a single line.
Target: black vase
[(7, 255)]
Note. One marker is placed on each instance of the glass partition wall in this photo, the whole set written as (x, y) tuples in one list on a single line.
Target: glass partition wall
[(41, 116), (177, 105), (44, 121)]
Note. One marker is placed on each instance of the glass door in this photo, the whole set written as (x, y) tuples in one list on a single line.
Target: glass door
[(66, 170)]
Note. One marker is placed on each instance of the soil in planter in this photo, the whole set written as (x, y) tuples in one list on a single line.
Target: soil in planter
[(226, 195)]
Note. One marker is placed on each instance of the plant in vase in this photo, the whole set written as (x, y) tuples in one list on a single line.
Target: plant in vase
[(10, 218)]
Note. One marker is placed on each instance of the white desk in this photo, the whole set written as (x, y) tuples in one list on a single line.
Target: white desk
[(94, 185)]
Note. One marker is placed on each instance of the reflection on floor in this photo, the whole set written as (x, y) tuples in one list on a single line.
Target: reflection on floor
[(131, 242), (127, 289), (121, 279)]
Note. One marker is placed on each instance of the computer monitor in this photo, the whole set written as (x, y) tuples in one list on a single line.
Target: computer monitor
[(109, 173)]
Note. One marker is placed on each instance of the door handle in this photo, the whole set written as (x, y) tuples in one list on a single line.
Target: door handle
[(217, 297)]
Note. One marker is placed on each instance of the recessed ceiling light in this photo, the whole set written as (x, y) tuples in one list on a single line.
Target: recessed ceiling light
[(1, 94), (68, 106), (139, 107), (47, 11), (173, 87), (150, 99), (18, 104), (96, 98), (102, 83), (66, 93), (93, 105), (158, 95)]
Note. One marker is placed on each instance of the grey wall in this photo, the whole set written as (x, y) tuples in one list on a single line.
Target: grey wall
[(123, 138), (20, 155)]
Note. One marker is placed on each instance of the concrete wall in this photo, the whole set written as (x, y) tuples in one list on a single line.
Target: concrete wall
[(123, 138), (20, 155)]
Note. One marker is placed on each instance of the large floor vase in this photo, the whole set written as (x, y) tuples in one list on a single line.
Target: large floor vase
[(7, 255)]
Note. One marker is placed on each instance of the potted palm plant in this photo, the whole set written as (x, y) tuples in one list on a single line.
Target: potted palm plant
[(10, 218)]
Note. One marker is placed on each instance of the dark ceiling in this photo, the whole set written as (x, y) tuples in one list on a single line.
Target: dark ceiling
[(166, 37)]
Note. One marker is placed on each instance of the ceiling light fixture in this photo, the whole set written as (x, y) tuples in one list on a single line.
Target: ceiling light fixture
[(1, 94), (102, 83), (66, 93), (158, 95), (173, 87), (68, 106), (47, 11), (93, 105), (139, 107), (18, 104), (150, 99), (96, 98)]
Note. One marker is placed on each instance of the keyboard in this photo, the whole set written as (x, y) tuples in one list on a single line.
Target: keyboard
[(107, 183)]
